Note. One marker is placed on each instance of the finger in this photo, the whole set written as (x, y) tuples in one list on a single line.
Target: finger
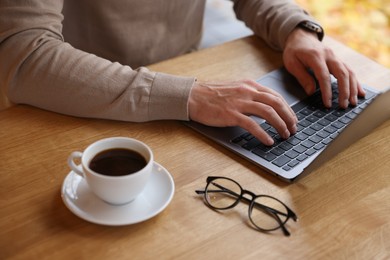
[(274, 99), (354, 89), (361, 91), (322, 75), (253, 127), (269, 105), (341, 73), (282, 109), (303, 76), (270, 115)]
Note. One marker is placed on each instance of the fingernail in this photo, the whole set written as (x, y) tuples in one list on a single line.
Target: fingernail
[(354, 100), (286, 134), (345, 103), (294, 129), (328, 103), (269, 141)]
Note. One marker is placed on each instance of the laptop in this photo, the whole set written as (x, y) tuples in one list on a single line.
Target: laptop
[(322, 132)]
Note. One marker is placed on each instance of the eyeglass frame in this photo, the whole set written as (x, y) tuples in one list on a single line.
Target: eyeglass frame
[(271, 211)]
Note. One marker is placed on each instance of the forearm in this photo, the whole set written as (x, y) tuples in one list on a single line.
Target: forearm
[(44, 71), (273, 20)]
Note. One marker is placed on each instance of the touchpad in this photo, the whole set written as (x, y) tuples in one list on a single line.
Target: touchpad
[(285, 84)]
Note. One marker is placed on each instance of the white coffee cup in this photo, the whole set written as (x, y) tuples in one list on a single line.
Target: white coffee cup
[(115, 190)]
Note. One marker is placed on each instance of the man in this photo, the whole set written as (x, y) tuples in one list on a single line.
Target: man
[(85, 58)]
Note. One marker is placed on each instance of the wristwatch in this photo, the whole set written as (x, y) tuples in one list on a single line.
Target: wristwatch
[(312, 27)]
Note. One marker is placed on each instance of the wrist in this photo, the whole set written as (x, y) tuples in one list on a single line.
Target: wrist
[(298, 36)]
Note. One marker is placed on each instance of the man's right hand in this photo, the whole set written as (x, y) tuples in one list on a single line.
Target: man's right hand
[(225, 104)]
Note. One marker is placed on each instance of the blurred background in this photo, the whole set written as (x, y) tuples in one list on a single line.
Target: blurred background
[(363, 25)]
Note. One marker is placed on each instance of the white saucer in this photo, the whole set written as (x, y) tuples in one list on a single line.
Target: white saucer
[(155, 197)]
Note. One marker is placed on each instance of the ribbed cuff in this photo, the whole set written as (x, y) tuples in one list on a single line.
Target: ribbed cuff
[(169, 97)]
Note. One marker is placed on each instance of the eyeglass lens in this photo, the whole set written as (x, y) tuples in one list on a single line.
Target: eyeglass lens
[(268, 213), (222, 193)]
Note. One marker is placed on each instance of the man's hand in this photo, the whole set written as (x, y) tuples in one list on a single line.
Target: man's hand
[(304, 51), (231, 103)]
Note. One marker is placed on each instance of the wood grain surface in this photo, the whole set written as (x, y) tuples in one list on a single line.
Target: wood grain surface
[(343, 207)]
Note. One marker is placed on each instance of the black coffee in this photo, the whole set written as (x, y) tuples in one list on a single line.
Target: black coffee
[(117, 162)]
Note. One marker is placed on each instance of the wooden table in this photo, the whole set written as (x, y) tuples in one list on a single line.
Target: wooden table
[(343, 207)]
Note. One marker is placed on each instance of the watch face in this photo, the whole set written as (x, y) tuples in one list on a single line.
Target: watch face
[(313, 27)]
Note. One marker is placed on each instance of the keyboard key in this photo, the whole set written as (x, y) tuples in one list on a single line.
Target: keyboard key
[(338, 125), (338, 113), (314, 105), (326, 110), (331, 117), (293, 140), (251, 144), (265, 155), (282, 160), (270, 133), (277, 151), (319, 113), (293, 163), (324, 122), (264, 148), (357, 110), (300, 128), (300, 149), (327, 141), (305, 111), (323, 134), (285, 146), (319, 146), (300, 116), (308, 144), (312, 118), (278, 139), (301, 136), (310, 152), (364, 105), (351, 115), (237, 139), (361, 100), (309, 131), (315, 139), (345, 120), (316, 127), (302, 157), (292, 154), (272, 130), (333, 136), (304, 123), (247, 136), (330, 129)]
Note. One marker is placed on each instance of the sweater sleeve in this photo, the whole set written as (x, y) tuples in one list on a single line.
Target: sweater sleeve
[(272, 20), (42, 70)]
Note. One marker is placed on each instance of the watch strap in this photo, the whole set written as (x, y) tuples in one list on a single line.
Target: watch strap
[(312, 27)]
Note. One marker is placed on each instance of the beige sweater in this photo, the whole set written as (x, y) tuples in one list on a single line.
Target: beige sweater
[(85, 57)]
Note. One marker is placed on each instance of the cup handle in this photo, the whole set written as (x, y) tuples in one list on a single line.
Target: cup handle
[(76, 168)]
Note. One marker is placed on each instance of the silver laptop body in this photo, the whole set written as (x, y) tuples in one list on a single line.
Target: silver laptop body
[(375, 111)]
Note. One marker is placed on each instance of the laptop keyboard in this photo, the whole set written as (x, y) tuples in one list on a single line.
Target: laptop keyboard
[(317, 127)]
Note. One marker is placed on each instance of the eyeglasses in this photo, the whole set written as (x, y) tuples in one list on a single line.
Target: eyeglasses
[(266, 213)]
